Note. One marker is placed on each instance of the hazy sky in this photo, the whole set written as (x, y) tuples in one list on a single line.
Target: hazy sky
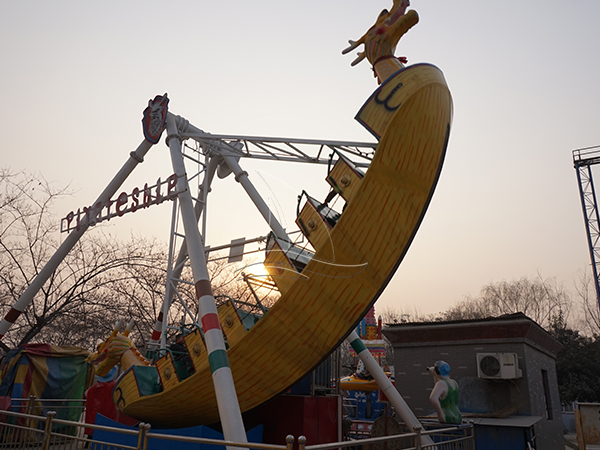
[(76, 77)]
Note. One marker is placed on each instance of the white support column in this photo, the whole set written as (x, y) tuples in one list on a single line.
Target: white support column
[(160, 326), (386, 385), (241, 176), (23, 302), (158, 332), (229, 409)]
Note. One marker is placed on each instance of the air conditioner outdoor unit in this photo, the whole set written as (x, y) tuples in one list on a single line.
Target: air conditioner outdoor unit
[(498, 366)]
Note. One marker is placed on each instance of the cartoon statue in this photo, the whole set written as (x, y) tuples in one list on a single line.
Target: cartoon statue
[(444, 396), (381, 40), (362, 372)]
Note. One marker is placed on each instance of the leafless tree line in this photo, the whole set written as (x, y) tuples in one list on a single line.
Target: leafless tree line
[(544, 300), (101, 280)]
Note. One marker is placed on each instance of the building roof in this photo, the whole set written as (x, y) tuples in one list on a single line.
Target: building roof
[(510, 421), (511, 327)]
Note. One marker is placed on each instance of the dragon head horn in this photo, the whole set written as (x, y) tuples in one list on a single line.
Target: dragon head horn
[(359, 57), (129, 327), (352, 46), (118, 325)]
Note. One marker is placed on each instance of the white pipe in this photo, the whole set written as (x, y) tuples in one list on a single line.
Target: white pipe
[(227, 402), (241, 176), (160, 326), (386, 385)]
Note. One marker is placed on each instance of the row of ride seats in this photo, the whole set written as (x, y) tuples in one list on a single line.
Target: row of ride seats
[(171, 371), (285, 261)]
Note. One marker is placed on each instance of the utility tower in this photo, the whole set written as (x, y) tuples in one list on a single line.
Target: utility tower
[(583, 160)]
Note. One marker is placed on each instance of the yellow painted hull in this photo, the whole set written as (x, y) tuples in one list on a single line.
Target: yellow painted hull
[(411, 113)]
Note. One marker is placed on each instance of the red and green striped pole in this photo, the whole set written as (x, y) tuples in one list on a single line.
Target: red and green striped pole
[(386, 385), (227, 402)]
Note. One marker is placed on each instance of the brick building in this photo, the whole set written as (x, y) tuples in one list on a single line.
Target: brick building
[(505, 368)]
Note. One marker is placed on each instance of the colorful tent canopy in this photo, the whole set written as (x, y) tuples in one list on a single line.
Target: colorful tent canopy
[(48, 372)]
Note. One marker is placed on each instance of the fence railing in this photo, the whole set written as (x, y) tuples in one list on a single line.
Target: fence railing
[(459, 437), (71, 409), (45, 432), (22, 431)]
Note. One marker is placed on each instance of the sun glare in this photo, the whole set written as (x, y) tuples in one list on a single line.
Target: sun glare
[(256, 269)]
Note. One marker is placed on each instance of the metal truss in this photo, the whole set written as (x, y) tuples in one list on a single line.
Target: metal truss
[(281, 149), (205, 155), (583, 160)]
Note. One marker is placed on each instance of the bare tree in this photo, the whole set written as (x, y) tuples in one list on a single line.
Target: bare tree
[(392, 315), (588, 299), (541, 299), (101, 280)]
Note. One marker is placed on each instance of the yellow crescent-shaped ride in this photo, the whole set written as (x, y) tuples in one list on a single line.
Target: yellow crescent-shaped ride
[(410, 114)]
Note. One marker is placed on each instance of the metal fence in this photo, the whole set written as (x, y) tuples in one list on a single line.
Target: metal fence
[(68, 409), (28, 431), (443, 437)]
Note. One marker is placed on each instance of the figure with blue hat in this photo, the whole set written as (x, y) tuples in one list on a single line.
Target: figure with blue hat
[(444, 396)]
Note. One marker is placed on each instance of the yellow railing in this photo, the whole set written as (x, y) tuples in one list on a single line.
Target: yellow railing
[(251, 445)]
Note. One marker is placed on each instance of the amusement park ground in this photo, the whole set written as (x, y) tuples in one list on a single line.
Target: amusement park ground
[(571, 441)]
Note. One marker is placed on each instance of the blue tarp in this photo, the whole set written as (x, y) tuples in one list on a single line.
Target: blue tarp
[(254, 435)]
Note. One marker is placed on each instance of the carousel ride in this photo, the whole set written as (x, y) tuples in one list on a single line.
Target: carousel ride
[(327, 282)]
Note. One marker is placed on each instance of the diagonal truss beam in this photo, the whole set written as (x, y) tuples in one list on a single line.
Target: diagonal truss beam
[(583, 160)]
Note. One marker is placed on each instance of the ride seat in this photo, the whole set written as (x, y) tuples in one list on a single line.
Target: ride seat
[(345, 177), (316, 220), (196, 348), (284, 262), (231, 323), (166, 371)]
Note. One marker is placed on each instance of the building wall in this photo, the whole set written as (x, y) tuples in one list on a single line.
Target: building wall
[(523, 396), (477, 395), (548, 432)]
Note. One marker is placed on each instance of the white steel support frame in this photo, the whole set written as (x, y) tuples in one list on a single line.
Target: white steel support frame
[(202, 201), (227, 402), (158, 332), (175, 270), (386, 385), (136, 157), (218, 150), (241, 176), (228, 149)]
